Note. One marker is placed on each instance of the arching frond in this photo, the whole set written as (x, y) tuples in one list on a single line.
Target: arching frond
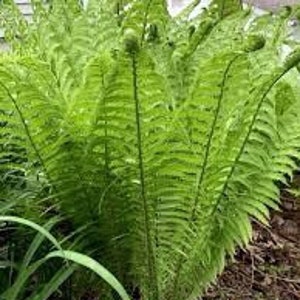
[(165, 136)]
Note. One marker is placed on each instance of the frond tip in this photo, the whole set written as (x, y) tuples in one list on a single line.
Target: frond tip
[(292, 60), (254, 42), (131, 41)]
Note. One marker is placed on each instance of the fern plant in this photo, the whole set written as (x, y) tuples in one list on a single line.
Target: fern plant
[(165, 135)]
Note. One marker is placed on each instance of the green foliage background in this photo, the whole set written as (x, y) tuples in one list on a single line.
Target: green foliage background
[(156, 140)]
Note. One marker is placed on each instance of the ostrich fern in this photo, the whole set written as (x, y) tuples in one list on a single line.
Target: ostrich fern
[(165, 135)]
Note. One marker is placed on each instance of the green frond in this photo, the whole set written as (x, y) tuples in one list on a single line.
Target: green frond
[(165, 136), (148, 18), (227, 7)]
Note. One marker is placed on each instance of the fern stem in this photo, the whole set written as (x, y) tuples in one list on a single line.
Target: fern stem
[(187, 10), (152, 284), (205, 162), (211, 134), (106, 150), (197, 40), (222, 8), (241, 151), (26, 128)]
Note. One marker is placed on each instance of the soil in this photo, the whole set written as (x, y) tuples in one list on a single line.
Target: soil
[(270, 267)]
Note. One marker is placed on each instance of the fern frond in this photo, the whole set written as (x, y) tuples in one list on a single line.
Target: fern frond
[(151, 24), (162, 135), (227, 7)]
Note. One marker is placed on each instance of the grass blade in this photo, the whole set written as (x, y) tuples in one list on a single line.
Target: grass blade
[(34, 226), (94, 266), (58, 279)]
